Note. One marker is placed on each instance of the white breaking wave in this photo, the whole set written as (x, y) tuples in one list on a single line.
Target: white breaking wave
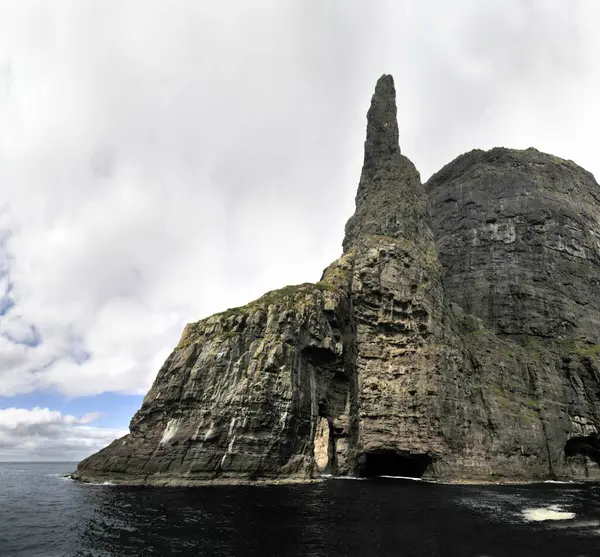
[(64, 477), (403, 478), (553, 512), (329, 476), (94, 483), (332, 477)]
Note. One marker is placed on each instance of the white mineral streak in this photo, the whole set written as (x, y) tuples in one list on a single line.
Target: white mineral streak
[(170, 431), (283, 419), (209, 432), (230, 446)]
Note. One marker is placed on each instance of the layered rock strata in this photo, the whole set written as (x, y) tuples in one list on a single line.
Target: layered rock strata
[(518, 234), (455, 338)]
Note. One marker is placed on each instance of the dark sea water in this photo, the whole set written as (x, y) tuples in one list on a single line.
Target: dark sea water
[(44, 515)]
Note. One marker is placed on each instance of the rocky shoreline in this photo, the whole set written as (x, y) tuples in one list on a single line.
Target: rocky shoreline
[(265, 482)]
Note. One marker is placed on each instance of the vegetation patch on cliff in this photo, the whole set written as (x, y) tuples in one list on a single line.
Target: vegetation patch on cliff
[(230, 322)]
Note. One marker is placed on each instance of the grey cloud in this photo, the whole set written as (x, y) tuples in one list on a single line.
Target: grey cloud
[(43, 434), (214, 154)]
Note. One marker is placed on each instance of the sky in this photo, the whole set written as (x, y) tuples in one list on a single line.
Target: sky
[(160, 162)]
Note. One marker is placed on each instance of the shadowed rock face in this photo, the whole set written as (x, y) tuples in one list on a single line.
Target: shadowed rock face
[(518, 234), (456, 340)]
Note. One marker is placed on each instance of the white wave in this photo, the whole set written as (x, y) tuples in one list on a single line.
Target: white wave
[(65, 477), (403, 478), (343, 477), (96, 483), (552, 512), (332, 477), (557, 482)]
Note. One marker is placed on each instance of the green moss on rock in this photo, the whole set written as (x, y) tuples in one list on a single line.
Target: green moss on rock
[(228, 323)]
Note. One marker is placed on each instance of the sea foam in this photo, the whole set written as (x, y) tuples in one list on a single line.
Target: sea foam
[(552, 512)]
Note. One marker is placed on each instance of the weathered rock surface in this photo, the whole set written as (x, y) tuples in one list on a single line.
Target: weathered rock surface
[(518, 234), (455, 341), (240, 394)]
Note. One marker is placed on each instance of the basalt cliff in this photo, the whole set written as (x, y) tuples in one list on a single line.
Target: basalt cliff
[(457, 337)]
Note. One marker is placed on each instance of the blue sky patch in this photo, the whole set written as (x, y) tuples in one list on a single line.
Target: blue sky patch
[(116, 409), (31, 337)]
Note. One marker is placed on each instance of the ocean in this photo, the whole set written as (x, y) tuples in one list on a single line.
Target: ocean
[(43, 514)]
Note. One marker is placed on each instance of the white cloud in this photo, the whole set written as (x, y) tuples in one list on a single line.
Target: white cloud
[(159, 163), (43, 434)]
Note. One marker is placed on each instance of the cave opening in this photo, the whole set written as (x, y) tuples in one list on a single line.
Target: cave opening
[(388, 462), (584, 446)]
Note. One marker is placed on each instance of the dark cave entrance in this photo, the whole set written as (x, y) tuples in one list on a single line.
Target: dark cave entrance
[(584, 446), (387, 462)]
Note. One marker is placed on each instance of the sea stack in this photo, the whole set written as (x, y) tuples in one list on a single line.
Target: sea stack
[(456, 338)]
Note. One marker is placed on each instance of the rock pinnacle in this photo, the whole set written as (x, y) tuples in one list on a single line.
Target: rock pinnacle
[(390, 200)]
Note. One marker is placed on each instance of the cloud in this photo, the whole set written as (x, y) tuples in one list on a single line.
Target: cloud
[(163, 175), (43, 434)]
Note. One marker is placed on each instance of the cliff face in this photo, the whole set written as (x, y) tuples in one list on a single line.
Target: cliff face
[(456, 340), (414, 376), (518, 234), (241, 393)]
